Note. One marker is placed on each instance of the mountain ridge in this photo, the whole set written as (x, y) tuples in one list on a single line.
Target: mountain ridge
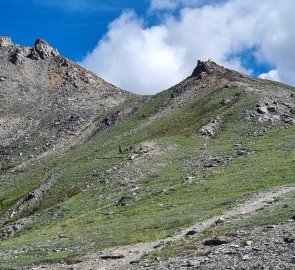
[(42, 92), (87, 168)]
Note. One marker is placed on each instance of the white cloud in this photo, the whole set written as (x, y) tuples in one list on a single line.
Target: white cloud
[(150, 59), (137, 59), (271, 75)]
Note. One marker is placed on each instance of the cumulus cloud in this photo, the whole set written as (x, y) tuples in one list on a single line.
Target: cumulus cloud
[(149, 59), (135, 58), (271, 75)]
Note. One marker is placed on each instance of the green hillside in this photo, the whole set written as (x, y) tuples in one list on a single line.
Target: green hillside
[(188, 154)]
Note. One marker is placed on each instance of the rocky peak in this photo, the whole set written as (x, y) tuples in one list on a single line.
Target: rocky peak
[(207, 67), (43, 50), (5, 41)]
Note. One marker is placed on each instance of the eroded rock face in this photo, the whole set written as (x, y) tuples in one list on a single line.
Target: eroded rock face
[(43, 50), (208, 67), (5, 41)]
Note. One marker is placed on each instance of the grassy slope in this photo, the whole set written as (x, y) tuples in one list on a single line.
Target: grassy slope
[(165, 202)]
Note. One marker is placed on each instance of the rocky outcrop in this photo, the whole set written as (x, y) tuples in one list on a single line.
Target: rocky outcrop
[(210, 71), (272, 112), (5, 41), (211, 128), (207, 67), (18, 57), (42, 50)]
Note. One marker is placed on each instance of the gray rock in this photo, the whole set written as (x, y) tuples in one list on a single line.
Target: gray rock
[(272, 108), (111, 256), (246, 258), (123, 201), (220, 220), (242, 153), (232, 85), (249, 243), (215, 242), (287, 119), (289, 239), (194, 263), (131, 157), (262, 110), (5, 41), (225, 101), (189, 178), (191, 232), (42, 50), (211, 128), (18, 57)]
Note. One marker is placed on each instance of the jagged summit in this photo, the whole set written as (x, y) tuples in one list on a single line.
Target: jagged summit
[(43, 50), (40, 50), (208, 67), (206, 77)]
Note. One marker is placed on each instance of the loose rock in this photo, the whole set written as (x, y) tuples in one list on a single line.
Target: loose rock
[(113, 256), (215, 242)]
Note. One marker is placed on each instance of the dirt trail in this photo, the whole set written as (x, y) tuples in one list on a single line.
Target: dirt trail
[(122, 257)]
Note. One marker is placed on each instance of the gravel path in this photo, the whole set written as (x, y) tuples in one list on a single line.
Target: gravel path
[(127, 257)]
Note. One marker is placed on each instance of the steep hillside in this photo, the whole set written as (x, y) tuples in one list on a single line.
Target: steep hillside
[(45, 100), (211, 148)]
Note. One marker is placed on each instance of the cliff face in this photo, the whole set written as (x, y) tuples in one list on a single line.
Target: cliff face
[(45, 98)]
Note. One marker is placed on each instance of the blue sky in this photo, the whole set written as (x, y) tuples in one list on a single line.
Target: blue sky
[(146, 46), (74, 27)]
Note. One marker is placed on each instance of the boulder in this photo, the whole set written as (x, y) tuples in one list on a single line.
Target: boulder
[(216, 242), (18, 57), (111, 256), (191, 232), (5, 41)]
